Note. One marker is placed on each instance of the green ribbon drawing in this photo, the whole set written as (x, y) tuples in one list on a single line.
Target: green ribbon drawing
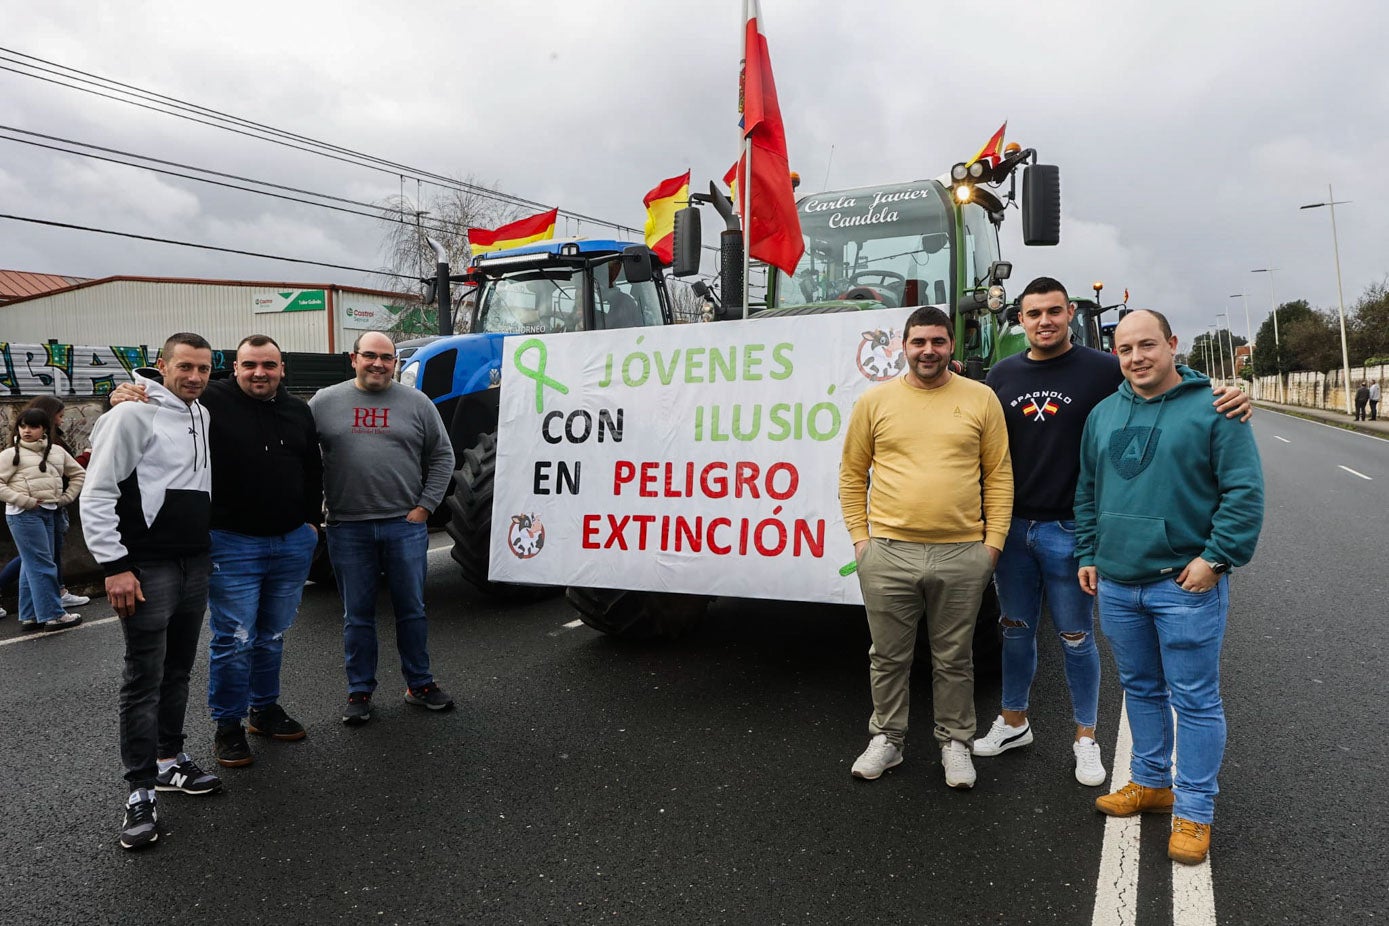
[(538, 372)]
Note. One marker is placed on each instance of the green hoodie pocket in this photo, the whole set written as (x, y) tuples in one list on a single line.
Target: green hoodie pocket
[(1131, 547)]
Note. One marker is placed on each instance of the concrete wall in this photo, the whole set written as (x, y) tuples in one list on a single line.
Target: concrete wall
[(1319, 390)]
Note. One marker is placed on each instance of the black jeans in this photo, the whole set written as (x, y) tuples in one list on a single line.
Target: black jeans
[(161, 642)]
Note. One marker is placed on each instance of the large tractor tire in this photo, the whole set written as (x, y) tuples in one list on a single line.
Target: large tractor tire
[(470, 522), (633, 615)]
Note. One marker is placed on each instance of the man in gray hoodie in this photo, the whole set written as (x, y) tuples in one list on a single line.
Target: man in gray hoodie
[(145, 513)]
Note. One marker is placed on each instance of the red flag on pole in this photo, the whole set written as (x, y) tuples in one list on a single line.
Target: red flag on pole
[(773, 229)]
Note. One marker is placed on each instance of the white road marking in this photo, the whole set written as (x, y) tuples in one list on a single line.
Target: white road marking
[(1116, 892), (1193, 893), (1324, 424), (1283, 439), (573, 624), (1354, 473), (40, 634)]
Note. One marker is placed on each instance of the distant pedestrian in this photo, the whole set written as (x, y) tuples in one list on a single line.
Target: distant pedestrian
[(387, 462), (267, 501), (1362, 398), (33, 470), (1170, 499), (942, 496), (1374, 400), (145, 514), (55, 408)]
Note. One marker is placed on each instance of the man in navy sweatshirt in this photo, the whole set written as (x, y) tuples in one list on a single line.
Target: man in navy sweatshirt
[(1170, 498), (1046, 393)]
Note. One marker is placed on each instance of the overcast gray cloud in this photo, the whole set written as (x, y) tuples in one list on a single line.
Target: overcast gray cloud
[(1187, 133)]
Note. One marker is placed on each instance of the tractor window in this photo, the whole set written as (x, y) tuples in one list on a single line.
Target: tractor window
[(981, 242), (620, 304), (889, 245), (533, 303)]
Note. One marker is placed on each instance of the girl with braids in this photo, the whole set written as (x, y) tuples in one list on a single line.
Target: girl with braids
[(32, 473)]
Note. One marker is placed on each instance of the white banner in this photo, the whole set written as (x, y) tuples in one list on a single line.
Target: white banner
[(690, 458)]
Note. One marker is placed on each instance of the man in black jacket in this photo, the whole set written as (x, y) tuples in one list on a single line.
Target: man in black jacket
[(267, 501)]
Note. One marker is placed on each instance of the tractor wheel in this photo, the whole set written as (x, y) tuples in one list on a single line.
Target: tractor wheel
[(634, 615), (470, 522), (321, 568), (988, 636)]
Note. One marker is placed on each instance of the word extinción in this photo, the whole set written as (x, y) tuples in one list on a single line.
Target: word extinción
[(693, 365), (657, 479), (770, 537), (783, 421), (878, 212)]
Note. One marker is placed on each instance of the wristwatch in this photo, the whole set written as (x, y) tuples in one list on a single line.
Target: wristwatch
[(1218, 568)]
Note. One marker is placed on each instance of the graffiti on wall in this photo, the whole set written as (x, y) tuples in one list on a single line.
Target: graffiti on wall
[(75, 369)]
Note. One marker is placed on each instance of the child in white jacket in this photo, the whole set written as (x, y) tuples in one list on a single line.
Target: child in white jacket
[(32, 472)]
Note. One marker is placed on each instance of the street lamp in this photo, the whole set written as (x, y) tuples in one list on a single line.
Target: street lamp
[(1229, 339), (1277, 346), (1333, 202), (1219, 354), (1248, 329)]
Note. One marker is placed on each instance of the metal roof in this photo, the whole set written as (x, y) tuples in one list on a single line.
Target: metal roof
[(19, 284)]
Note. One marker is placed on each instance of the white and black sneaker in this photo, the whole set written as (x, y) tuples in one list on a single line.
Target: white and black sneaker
[(959, 770), (184, 775), (1001, 738), (141, 826)]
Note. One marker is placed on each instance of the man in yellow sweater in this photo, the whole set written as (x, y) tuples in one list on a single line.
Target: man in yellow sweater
[(927, 538)]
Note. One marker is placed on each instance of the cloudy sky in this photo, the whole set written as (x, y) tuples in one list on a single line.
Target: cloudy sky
[(1187, 134)]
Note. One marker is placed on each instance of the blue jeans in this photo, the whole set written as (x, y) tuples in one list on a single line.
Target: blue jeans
[(361, 551), (1039, 559), (1166, 643), (253, 596), (33, 533)]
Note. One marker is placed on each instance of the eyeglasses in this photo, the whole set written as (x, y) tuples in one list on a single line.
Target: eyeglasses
[(371, 356)]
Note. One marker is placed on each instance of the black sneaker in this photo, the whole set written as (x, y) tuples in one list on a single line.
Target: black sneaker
[(272, 721), (184, 775), (62, 622), (141, 820), (429, 695), (358, 710), (29, 626), (230, 748)]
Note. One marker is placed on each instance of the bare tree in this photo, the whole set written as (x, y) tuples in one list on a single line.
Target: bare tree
[(445, 214)]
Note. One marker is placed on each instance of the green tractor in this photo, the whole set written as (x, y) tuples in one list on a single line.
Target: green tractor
[(927, 242)]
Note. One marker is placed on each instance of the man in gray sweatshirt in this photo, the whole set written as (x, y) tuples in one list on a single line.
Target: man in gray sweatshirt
[(386, 465)]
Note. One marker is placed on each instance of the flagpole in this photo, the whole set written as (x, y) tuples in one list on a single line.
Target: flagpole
[(746, 193)]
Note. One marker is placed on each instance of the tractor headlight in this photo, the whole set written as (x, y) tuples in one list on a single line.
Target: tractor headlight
[(409, 375), (959, 172), (963, 193), (997, 298), (976, 170)]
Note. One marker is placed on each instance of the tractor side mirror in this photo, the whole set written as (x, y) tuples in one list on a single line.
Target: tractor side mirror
[(637, 263), (687, 243), (1041, 205)]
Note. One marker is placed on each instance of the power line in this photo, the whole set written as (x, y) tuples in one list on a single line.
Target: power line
[(356, 158), (204, 247)]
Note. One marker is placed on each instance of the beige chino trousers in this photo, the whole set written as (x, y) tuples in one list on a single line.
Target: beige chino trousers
[(901, 583)]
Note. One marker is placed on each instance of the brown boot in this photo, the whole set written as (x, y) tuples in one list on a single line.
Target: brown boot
[(1134, 798), (1190, 841)]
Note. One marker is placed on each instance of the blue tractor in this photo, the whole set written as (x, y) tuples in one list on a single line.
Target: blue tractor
[(544, 288)]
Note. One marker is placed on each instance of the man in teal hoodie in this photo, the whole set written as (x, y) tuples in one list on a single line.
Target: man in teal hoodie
[(1170, 499)]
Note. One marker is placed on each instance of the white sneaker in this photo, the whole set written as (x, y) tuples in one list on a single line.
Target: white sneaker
[(1002, 738), (74, 601), (3, 612), (880, 756), (959, 770), (1089, 768)]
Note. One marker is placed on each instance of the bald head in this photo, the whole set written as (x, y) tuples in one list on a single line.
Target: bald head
[(1147, 353), (373, 361)]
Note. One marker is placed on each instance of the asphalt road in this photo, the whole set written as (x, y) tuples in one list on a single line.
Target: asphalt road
[(583, 780)]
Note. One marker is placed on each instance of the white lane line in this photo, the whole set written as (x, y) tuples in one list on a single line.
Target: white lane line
[(1116, 892), (1283, 439), (1323, 424), (1193, 893), (573, 624), (1354, 473), (40, 634)]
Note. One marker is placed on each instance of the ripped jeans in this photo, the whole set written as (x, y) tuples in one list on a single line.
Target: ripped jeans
[(253, 596), (1039, 559)]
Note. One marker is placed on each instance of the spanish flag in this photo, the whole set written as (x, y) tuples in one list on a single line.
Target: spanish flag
[(993, 148), (661, 204), (730, 180), (514, 234)]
